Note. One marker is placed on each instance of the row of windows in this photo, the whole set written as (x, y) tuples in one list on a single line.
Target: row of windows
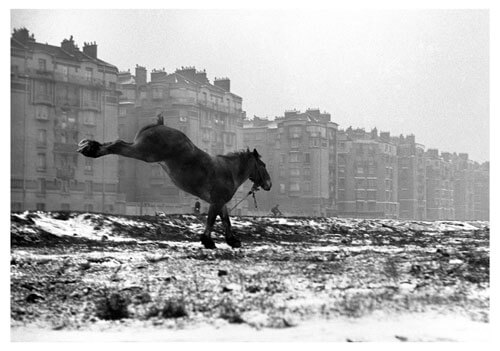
[(62, 162), (43, 112), (295, 186)]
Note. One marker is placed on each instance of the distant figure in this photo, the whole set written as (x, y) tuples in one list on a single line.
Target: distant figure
[(276, 211), (197, 207)]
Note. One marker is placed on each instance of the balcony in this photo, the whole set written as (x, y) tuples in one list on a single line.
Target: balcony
[(183, 101), (65, 173), (90, 105), (44, 99), (67, 101), (80, 80)]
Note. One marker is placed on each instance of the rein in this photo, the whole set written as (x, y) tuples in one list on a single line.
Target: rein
[(251, 192)]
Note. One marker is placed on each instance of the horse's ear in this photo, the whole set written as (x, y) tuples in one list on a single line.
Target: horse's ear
[(255, 153)]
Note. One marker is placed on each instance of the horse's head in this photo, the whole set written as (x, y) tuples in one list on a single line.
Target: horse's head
[(258, 173)]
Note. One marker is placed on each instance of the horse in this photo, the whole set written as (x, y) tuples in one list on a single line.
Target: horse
[(213, 179)]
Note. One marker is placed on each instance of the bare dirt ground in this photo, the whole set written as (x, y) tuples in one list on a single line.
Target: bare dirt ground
[(90, 277)]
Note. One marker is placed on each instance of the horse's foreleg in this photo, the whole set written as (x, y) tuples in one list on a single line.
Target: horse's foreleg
[(206, 240), (94, 149), (231, 240)]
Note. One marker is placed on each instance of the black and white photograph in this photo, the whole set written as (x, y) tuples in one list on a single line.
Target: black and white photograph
[(266, 174)]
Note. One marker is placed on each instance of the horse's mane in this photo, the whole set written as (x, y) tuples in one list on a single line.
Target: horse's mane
[(237, 154)]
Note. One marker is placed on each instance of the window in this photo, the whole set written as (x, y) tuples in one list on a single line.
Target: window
[(295, 172), (342, 183), (88, 207), (294, 157), (42, 185), (42, 137), (65, 186), (122, 112), (295, 132), (89, 118), (282, 158), (282, 188), (314, 142), (42, 64), (360, 194), (42, 112), (89, 187), (360, 205), (307, 173), (40, 206), (294, 143), (341, 195), (372, 206), (89, 164), (294, 186), (157, 93), (89, 73), (41, 163), (307, 187), (307, 158), (65, 207), (371, 194)]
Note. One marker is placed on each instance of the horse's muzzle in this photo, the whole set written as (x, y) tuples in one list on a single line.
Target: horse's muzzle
[(267, 185)]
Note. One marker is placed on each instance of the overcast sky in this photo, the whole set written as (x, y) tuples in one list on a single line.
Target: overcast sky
[(414, 71)]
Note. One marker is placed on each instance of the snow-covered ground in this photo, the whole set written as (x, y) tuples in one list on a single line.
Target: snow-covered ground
[(310, 279)]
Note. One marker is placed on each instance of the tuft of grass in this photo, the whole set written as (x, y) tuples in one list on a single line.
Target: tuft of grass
[(112, 306), (230, 312)]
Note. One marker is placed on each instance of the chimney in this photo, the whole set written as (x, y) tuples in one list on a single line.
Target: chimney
[(434, 153), (223, 83), (90, 49), (22, 35), (68, 45), (188, 72), (386, 136), (158, 74), (201, 76), (141, 75), (291, 113), (446, 156)]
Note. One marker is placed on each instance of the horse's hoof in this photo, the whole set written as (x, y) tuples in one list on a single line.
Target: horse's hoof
[(207, 242), (233, 242), (88, 148)]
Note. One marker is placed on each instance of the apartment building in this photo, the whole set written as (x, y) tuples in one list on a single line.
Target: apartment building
[(60, 95), (299, 149), (411, 178), (440, 185), (209, 113), (367, 174)]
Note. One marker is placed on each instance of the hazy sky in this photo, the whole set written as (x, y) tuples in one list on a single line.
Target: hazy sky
[(414, 71)]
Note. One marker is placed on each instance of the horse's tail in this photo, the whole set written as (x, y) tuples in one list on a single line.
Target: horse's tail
[(159, 120)]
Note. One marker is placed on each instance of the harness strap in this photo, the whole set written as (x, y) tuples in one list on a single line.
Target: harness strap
[(251, 192)]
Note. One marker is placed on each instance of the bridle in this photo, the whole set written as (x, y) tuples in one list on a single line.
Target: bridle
[(256, 176)]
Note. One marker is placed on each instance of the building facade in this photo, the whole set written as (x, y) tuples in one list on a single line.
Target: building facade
[(60, 95), (300, 152), (440, 186), (367, 175), (411, 178), (208, 113)]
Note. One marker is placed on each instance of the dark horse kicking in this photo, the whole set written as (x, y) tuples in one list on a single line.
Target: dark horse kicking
[(214, 179)]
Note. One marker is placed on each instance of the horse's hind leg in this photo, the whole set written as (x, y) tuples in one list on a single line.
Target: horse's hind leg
[(94, 149), (205, 238), (231, 240)]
